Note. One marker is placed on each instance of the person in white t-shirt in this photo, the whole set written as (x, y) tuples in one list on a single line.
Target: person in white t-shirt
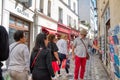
[(80, 52), (63, 51)]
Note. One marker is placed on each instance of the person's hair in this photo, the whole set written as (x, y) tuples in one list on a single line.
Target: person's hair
[(39, 43), (51, 37), (18, 35), (4, 44), (63, 36)]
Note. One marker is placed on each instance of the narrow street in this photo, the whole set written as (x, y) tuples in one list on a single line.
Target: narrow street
[(94, 70)]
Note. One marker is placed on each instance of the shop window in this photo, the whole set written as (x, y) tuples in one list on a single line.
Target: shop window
[(11, 33), (12, 20), (67, 20), (70, 21), (74, 7), (27, 37), (49, 8), (20, 23), (60, 15), (75, 24), (69, 3), (41, 5), (26, 26)]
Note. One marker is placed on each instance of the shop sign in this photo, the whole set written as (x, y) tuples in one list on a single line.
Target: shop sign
[(22, 12)]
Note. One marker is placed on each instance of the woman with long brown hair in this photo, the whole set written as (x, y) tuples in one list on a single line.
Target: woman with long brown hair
[(54, 51)]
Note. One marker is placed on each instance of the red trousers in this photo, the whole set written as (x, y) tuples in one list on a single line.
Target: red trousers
[(80, 65)]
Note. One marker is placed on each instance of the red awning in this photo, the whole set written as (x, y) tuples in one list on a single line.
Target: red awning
[(48, 31), (74, 32)]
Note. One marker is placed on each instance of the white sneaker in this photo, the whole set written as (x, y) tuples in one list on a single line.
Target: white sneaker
[(68, 74), (59, 75)]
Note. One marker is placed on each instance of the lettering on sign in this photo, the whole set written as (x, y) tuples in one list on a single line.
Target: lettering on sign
[(22, 12)]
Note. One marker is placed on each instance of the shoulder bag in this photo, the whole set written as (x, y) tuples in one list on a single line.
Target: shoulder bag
[(34, 61), (87, 55)]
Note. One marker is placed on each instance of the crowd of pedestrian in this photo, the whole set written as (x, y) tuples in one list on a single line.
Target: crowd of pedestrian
[(46, 58)]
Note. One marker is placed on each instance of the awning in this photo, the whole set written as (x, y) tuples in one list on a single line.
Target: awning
[(74, 32), (49, 31), (63, 28)]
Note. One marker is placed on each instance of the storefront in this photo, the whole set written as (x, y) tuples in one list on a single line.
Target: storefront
[(16, 17), (48, 30), (15, 24), (62, 29), (46, 24)]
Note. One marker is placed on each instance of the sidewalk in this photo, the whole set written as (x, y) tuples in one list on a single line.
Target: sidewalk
[(94, 70)]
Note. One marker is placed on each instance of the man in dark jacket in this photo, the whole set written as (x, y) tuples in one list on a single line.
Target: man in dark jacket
[(4, 47)]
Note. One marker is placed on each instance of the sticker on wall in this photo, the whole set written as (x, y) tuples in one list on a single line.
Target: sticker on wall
[(111, 40), (116, 29), (116, 60), (111, 49), (116, 41), (112, 57), (117, 71)]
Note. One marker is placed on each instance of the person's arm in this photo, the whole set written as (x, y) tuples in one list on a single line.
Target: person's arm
[(95, 47), (57, 57), (73, 48), (26, 58), (55, 50)]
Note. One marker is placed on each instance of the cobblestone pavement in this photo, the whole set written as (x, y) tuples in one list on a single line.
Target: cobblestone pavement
[(94, 70)]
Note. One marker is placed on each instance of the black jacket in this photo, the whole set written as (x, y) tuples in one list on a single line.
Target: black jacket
[(43, 61), (4, 44)]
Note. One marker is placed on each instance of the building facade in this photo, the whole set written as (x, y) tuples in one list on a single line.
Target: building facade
[(17, 16), (34, 16), (108, 26), (87, 13), (57, 16)]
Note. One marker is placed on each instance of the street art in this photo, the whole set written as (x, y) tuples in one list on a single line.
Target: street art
[(114, 48)]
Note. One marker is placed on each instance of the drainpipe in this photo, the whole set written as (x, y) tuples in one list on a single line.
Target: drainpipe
[(2, 13)]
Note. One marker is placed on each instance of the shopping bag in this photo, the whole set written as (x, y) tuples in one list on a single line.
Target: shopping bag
[(63, 63), (55, 66)]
